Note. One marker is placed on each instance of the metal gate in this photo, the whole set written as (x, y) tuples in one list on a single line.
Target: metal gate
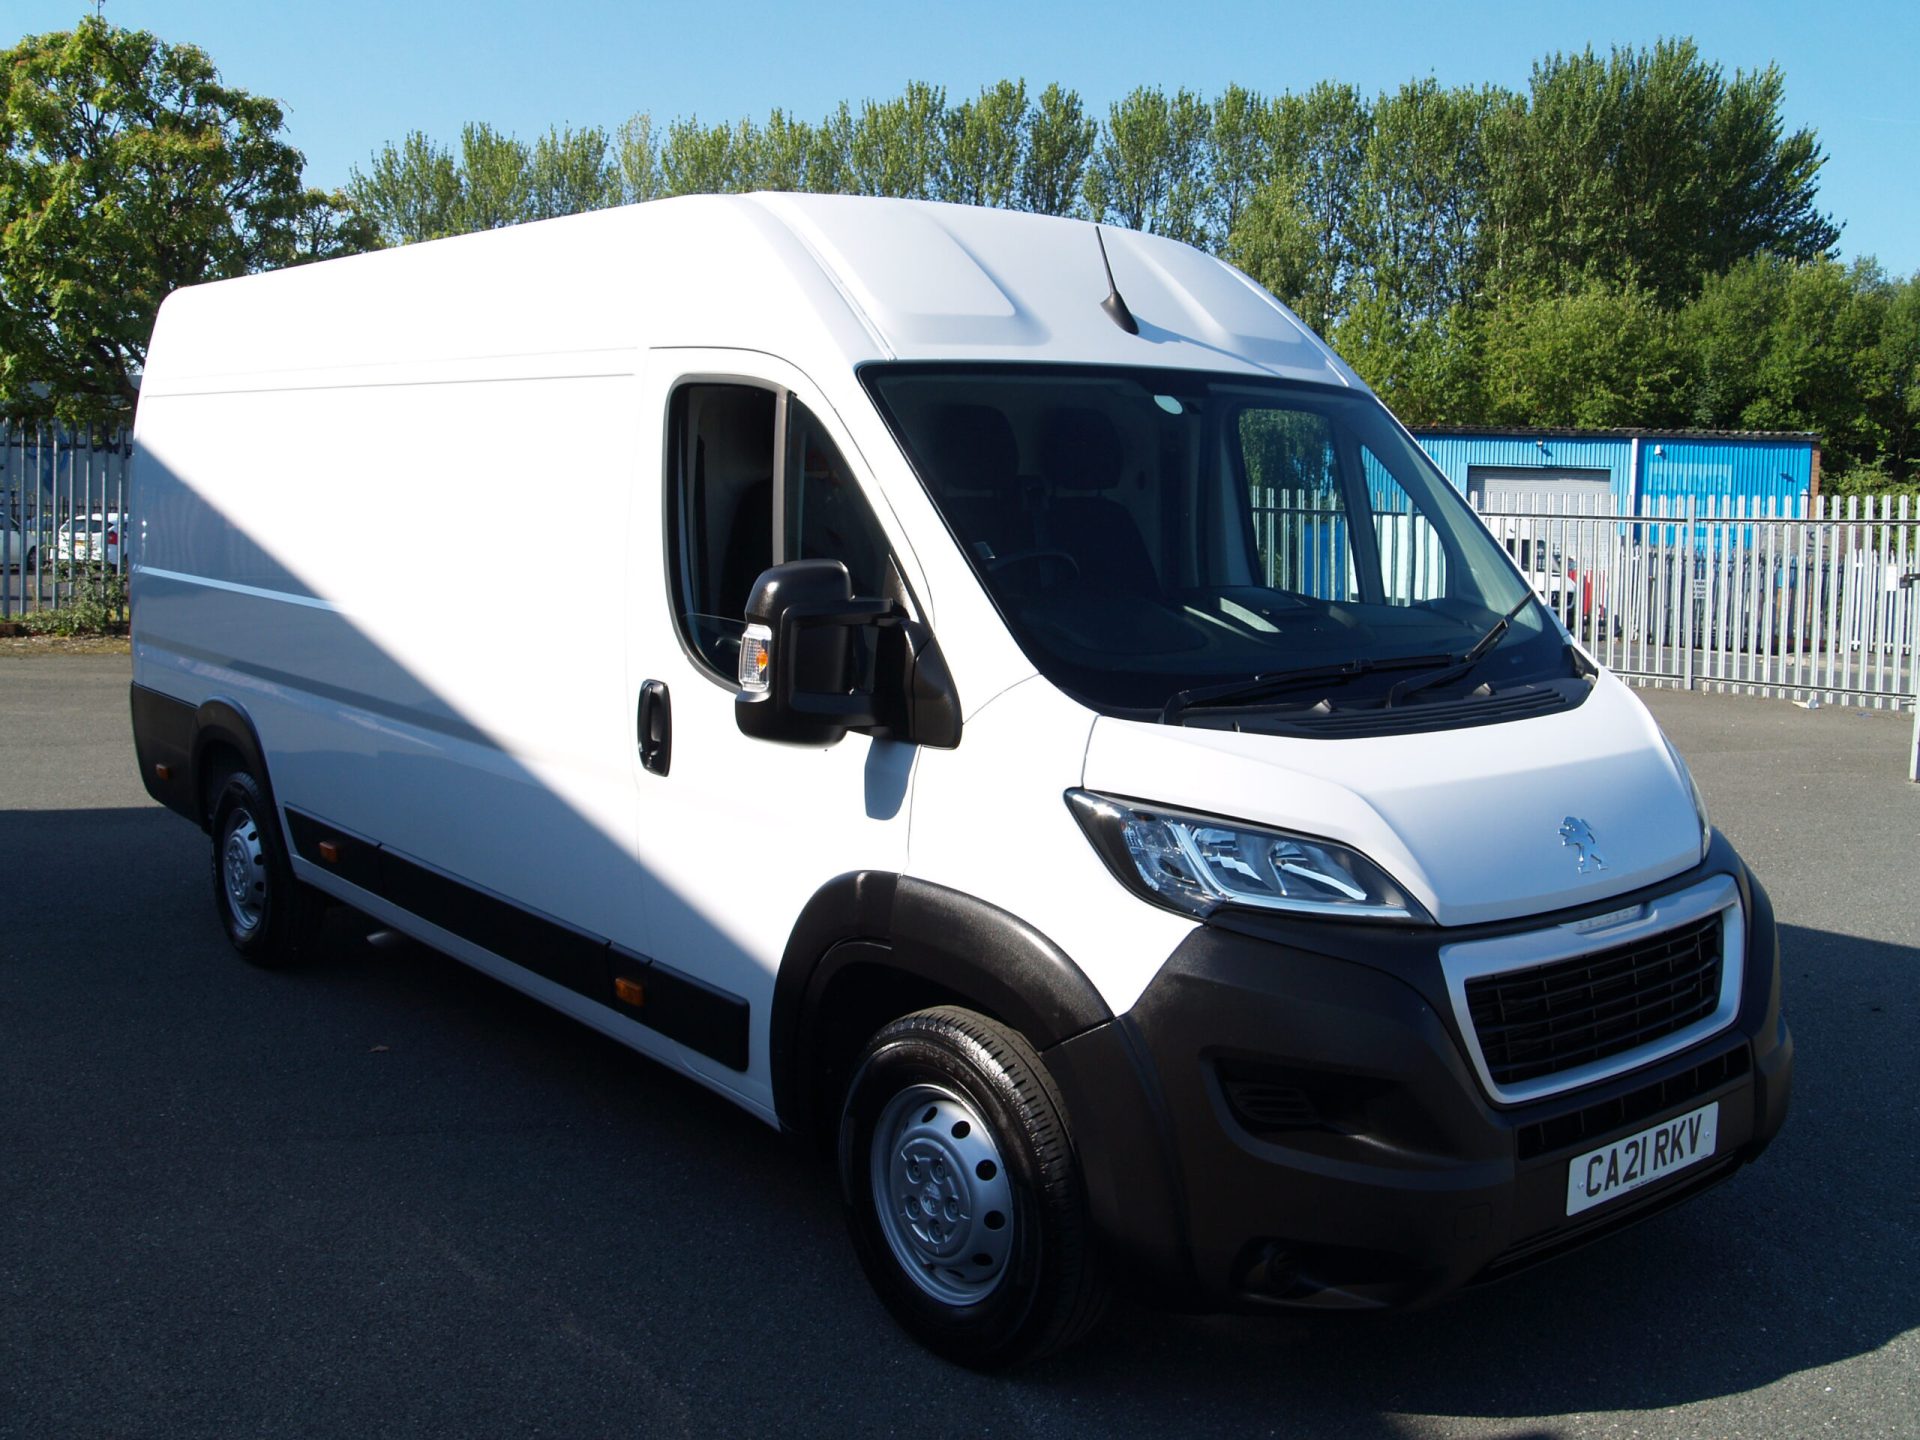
[(63, 519)]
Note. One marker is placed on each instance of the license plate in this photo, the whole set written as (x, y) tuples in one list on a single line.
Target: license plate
[(1614, 1170)]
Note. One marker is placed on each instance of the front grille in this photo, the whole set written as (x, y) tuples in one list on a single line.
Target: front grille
[(1577, 1127), (1553, 1018)]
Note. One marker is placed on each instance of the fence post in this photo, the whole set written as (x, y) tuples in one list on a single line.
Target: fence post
[(1912, 583), (1688, 552)]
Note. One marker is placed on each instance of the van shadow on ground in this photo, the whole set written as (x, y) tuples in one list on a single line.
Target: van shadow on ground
[(382, 1192)]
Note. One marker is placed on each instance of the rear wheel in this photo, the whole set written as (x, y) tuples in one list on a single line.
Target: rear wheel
[(266, 913), (963, 1194)]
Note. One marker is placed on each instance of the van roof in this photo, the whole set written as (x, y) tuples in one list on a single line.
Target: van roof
[(819, 278), (937, 281)]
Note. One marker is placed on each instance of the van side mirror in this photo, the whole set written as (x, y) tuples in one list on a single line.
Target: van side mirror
[(816, 662)]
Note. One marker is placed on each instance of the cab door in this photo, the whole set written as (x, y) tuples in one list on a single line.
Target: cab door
[(735, 834)]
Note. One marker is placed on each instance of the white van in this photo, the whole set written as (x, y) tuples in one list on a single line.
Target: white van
[(1029, 718)]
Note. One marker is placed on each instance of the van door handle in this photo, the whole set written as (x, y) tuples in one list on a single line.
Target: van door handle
[(654, 721)]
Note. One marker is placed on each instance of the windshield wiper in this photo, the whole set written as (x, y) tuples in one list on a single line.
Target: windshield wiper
[(1459, 665), (1274, 682)]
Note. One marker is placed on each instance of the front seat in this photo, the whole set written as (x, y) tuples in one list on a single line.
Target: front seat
[(1082, 456), (975, 463)]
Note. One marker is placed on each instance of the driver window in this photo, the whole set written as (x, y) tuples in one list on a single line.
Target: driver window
[(723, 450)]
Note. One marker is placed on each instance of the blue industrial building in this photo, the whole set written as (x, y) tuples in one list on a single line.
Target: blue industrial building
[(1629, 472)]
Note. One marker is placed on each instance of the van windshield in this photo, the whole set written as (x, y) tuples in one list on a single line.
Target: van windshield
[(1157, 540)]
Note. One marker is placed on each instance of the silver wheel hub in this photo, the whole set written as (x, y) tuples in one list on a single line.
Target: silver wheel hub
[(941, 1191), (243, 870)]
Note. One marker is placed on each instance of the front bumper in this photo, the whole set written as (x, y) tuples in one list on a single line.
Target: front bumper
[(1287, 1116)]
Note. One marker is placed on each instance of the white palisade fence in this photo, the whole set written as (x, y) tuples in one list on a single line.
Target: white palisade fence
[(1736, 596)]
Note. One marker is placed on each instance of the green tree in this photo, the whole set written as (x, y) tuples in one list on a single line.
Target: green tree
[(1785, 346), (1649, 167), (894, 147), (789, 154), (1149, 167), (1320, 151), (571, 171), (1602, 356), (495, 179), (1241, 148), (1427, 369), (328, 225), (1419, 198), (411, 192), (707, 160), (1900, 362), (636, 157), (983, 146), (127, 169), (1276, 240), (1059, 144)]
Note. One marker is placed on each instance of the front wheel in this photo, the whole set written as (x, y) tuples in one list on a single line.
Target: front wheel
[(266, 913), (963, 1193)]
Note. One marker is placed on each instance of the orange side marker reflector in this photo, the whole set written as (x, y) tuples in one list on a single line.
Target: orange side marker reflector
[(329, 852), (631, 992), (163, 772)]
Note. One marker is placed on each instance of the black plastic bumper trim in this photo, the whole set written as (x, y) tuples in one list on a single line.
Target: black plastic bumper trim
[(163, 741), (1287, 1117)]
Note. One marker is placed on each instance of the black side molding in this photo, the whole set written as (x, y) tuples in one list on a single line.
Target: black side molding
[(700, 1016)]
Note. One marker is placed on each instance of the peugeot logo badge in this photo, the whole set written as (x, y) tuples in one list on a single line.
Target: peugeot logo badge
[(1579, 835)]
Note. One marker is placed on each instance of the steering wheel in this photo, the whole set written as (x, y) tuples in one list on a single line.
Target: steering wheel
[(1018, 558)]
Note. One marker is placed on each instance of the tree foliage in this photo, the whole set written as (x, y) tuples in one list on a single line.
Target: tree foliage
[(1650, 168), (983, 145), (127, 169), (1149, 166), (1632, 239)]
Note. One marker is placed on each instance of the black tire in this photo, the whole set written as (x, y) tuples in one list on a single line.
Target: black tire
[(984, 1291), (266, 913)]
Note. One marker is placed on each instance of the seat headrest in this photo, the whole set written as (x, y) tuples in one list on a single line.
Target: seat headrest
[(1080, 450), (973, 449)]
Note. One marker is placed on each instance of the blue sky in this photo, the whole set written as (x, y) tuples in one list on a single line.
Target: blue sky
[(354, 74)]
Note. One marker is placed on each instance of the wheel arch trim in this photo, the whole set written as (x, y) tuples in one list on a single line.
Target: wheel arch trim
[(948, 939)]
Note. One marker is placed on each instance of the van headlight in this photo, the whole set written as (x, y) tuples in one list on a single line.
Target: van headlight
[(1699, 800), (1198, 863)]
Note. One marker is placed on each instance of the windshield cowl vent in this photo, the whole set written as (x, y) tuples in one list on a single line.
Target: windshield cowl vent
[(1324, 722)]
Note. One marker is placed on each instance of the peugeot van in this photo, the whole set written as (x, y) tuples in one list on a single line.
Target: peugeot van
[(1030, 721)]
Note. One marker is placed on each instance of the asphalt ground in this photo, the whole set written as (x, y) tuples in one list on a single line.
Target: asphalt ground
[(383, 1195)]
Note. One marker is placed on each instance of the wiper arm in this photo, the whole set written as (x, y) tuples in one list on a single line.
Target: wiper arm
[(1460, 665), (1274, 682)]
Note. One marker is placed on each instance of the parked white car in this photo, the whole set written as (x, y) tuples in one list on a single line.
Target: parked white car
[(1561, 584), (18, 550), (95, 539)]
